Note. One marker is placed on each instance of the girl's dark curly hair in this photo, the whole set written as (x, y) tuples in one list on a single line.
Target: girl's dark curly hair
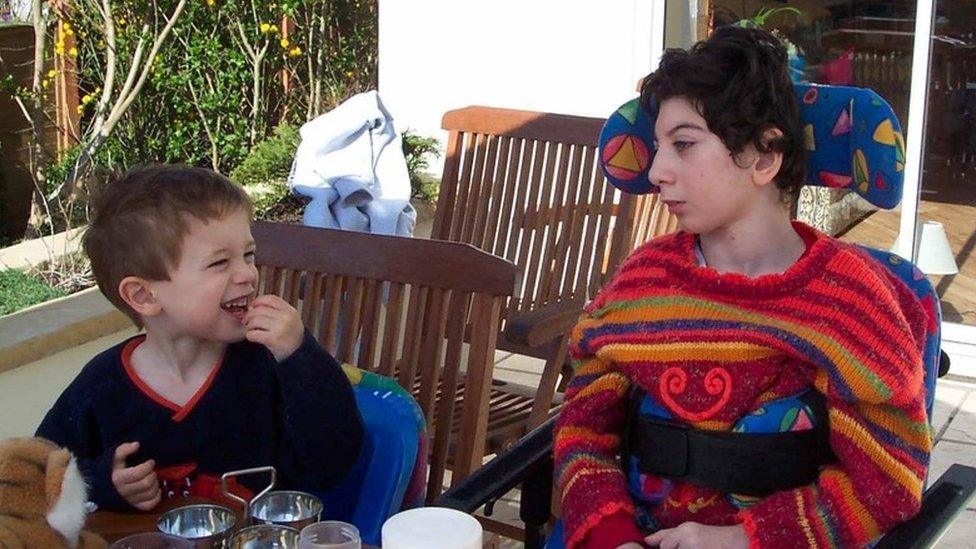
[(739, 81)]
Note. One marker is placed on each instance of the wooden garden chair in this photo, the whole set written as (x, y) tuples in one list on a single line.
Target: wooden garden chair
[(399, 307), (527, 186)]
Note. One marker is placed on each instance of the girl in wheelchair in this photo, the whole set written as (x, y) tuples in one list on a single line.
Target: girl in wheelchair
[(747, 381)]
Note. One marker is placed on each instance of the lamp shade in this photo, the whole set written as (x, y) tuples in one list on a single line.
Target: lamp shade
[(935, 256)]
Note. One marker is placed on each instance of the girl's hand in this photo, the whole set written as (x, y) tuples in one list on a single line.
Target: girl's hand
[(692, 535)]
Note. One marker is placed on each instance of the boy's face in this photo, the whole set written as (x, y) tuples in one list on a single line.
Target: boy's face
[(700, 182), (209, 291)]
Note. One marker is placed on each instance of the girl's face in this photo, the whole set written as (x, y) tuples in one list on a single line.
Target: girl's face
[(700, 181)]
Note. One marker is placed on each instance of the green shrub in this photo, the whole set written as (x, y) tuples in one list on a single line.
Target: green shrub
[(19, 290), (417, 150), (270, 160), (264, 172)]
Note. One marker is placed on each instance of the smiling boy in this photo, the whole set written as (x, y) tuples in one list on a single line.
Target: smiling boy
[(221, 380)]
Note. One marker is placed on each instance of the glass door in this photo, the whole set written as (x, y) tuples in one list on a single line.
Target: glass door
[(946, 213)]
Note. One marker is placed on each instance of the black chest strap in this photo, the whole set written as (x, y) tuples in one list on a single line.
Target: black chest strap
[(751, 464)]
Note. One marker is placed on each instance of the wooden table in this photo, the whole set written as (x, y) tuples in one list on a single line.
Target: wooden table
[(114, 525)]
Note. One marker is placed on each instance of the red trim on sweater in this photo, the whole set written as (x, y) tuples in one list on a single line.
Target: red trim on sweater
[(144, 388)]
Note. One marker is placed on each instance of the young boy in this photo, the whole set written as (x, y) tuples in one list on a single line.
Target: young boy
[(221, 380), (718, 325)]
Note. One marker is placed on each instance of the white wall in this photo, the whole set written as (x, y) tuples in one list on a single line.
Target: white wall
[(564, 56)]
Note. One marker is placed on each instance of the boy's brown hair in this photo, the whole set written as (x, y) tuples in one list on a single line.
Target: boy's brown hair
[(140, 222)]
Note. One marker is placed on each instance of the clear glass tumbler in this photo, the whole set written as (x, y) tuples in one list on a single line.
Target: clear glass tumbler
[(152, 540), (330, 534)]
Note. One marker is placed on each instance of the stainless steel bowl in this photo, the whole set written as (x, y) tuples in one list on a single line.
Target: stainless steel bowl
[(286, 508), (207, 526), (265, 536)]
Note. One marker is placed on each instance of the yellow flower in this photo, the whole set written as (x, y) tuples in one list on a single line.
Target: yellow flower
[(59, 49), (274, 29), (69, 32), (284, 42), (87, 99), (121, 21), (80, 109), (295, 52), (265, 28), (66, 25), (52, 73), (73, 52), (210, 2), (100, 44), (350, 74), (45, 83)]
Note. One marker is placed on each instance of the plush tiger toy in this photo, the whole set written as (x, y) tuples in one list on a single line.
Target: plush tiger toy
[(42, 497)]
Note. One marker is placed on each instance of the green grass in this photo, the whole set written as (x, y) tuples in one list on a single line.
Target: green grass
[(19, 290)]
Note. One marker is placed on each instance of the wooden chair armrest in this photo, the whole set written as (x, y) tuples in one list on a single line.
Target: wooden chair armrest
[(544, 324)]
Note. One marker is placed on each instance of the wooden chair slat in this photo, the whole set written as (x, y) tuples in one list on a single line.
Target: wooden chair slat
[(449, 384), (371, 326), (392, 330), (520, 183), (490, 239), (477, 199)]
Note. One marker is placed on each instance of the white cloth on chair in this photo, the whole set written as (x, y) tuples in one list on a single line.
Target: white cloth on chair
[(350, 163)]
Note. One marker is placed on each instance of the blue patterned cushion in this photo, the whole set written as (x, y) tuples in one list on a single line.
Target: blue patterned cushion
[(852, 136)]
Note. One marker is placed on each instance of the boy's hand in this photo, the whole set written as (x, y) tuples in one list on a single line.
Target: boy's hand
[(692, 535), (137, 485), (272, 322)]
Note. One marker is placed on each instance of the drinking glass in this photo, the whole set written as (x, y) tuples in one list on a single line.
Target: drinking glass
[(329, 534), (152, 540)]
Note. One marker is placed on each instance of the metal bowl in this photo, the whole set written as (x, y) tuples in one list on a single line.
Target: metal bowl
[(286, 508), (265, 536), (205, 525)]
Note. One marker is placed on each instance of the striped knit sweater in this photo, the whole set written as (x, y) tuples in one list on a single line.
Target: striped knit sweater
[(711, 347)]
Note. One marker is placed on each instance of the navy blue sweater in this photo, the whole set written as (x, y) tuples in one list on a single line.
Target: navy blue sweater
[(299, 415)]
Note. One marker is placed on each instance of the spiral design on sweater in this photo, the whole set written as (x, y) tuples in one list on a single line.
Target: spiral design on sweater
[(717, 382)]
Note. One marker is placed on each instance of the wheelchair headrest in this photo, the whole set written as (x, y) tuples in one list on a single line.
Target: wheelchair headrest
[(853, 141)]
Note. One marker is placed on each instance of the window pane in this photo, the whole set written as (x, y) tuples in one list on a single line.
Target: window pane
[(949, 168)]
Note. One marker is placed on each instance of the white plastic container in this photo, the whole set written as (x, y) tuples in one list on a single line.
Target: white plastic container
[(432, 528)]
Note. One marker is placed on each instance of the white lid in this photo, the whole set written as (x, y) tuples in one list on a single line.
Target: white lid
[(432, 528)]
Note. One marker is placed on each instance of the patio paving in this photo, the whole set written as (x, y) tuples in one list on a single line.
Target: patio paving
[(954, 425)]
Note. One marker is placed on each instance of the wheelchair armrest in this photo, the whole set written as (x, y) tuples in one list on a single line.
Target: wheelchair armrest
[(940, 504), (943, 363), (544, 324), (509, 469)]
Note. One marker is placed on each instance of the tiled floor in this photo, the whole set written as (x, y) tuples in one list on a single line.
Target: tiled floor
[(954, 425)]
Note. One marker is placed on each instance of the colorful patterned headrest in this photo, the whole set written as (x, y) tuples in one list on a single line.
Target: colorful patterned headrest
[(853, 141)]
